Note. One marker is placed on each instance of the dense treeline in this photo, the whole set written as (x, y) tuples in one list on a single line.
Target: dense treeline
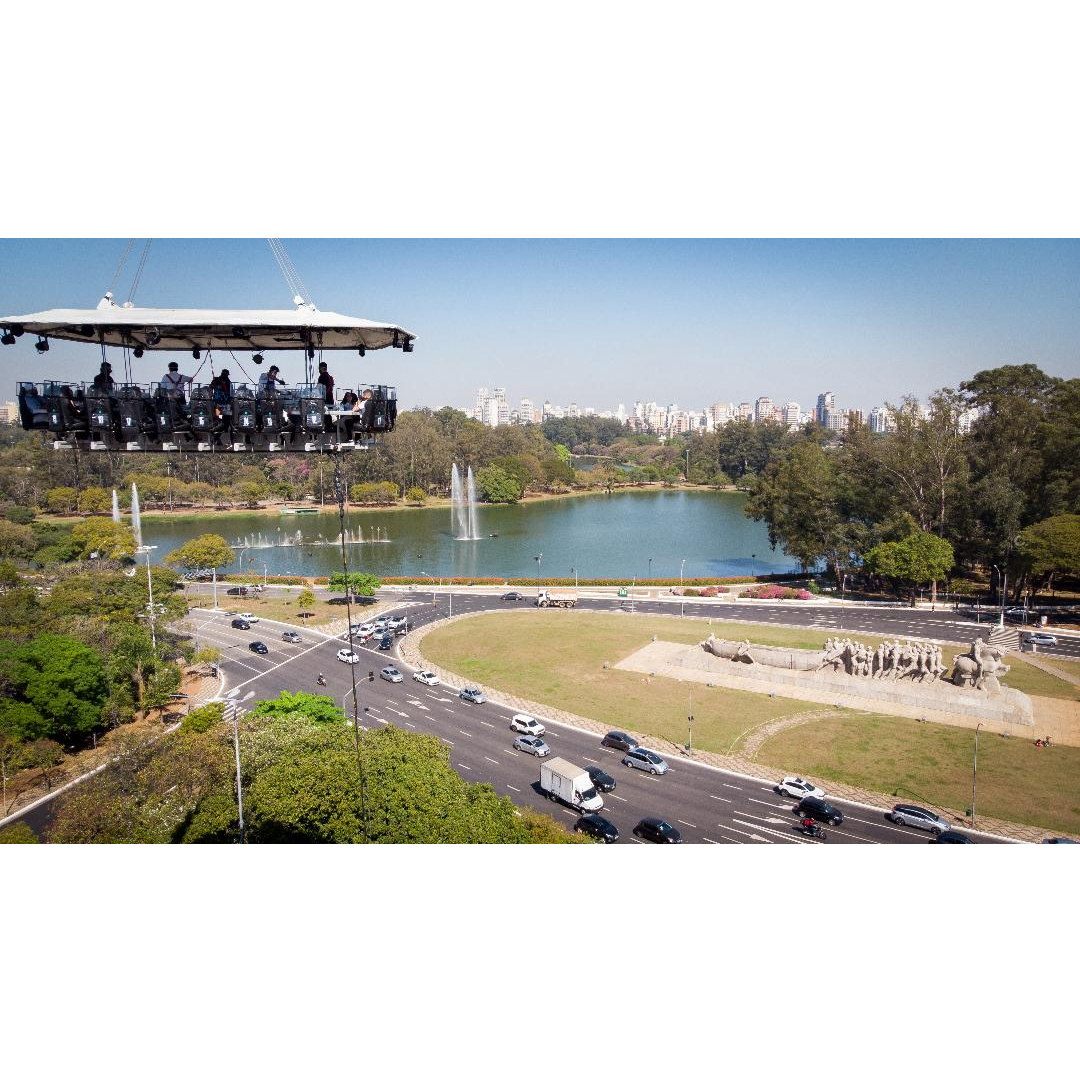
[(1005, 494)]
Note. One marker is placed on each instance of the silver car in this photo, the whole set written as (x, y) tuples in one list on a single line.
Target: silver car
[(532, 745), (390, 674), (903, 814), (646, 760)]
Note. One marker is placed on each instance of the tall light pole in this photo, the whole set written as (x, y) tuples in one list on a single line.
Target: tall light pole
[(974, 772), (537, 558), (682, 595), (753, 566), (432, 580), (573, 570), (236, 746), (690, 721), (150, 604), (650, 568), (264, 575), (843, 586)]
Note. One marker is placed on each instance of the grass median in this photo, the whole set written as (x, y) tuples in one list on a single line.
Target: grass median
[(556, 658)]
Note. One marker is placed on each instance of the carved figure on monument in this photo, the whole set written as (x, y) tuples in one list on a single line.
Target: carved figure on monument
[(980, 667)]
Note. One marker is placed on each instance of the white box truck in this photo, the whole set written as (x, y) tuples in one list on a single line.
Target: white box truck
[(555, 598), (570, 784)]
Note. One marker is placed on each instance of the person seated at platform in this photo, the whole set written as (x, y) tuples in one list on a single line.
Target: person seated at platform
[(269, 381), (326, 381), (221, 391), (73, 403), (172, 379), (103, 380)]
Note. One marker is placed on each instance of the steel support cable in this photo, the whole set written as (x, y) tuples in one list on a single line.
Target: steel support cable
[(358, 737), (139, 270), (120, 266), (288, 271)]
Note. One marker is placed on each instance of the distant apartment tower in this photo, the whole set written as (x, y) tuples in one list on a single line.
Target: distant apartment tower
[(763, 408), (856, 418), (825, 403), (721, 412), (835, 420), (9, 413), (745, 411), (492, 408), (881, 421), (791, 414)]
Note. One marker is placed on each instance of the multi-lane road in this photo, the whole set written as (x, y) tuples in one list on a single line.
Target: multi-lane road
[(705, 804)]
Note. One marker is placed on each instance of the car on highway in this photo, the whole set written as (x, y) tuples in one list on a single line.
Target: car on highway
[(532, 745), (619, 740), (404, 627), (819, 810), (470, 693), (1058, 840), (798, 788), (951, 836), (428, 678), (237, 590), (395, 622), (903, 814), (292, 637), (248, 615), (601, 780), (347, 656), (1038, 639), (240, 624), (512, 595), (647, 760), (391, 674), (526, 725), (599, 828), (379, 625), (363, 629), (386, 642), (657, 831), (259, 647)]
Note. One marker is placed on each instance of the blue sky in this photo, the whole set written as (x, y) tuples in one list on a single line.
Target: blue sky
[(609, 321)]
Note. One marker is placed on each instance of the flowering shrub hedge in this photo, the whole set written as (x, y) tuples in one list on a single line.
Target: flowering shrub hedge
[(775, 592)]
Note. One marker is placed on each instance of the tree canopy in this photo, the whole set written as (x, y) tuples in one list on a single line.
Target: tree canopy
[(206, 552)]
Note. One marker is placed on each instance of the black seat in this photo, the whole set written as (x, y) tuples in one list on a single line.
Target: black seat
[(313, 415), (101, 415), (206, 420), (170, 415), (137, 420), (245, 418), (34, 411)]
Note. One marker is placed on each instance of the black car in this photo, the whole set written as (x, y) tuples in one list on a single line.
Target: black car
[(601, 780), (259, 647), (819, 810), (657, 831), (1058, 840), (241, 624), (239, 590), (619, 740), (404, 628), (951, 836), (597, 827), (513, 596), (386, 642)]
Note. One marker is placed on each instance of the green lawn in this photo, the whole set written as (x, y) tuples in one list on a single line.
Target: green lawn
[(557, 658), (931, 764)]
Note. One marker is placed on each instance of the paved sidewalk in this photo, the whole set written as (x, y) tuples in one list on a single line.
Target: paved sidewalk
[(412, 655)]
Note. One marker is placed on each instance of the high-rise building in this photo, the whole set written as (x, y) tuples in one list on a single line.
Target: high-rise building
[(745, 411), (9, 412), (881, 421), (825, 402), (835, 420), (721, 412), (763, 410), (492, 408), (792, 415), (526, 412)]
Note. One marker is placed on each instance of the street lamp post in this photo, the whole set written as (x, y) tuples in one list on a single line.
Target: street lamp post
[(682, 595), (150, 605), (974, 772), (690, 721), (236, 746), (753, 566), (537, 559), (264, 575), (843, 586), (573, 570)]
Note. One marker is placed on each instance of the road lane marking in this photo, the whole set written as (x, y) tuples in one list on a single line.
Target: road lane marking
[(719, 798), (614, 796), (753, 836), (512, 788), (592, 759), (447, 741), (450, 711), (486, 724), (708, 841), (734, 787), (491, 759), (512, 753), (460, 766), (469, 733), (407, 724), (570, 812), (687, 823)]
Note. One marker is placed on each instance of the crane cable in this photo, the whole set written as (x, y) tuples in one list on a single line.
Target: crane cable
[(288, 271), (139, 270), (120, 266)]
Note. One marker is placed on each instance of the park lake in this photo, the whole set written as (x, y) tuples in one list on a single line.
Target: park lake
[(644, 534)]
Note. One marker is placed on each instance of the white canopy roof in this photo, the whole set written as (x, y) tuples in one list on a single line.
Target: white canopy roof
[(185, 328)]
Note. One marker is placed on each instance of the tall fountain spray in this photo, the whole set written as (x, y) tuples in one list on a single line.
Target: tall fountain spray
[(115, 507), (463, 505), (136, 521)]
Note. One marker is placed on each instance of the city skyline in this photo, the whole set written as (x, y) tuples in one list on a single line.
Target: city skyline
[(596, 321)]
